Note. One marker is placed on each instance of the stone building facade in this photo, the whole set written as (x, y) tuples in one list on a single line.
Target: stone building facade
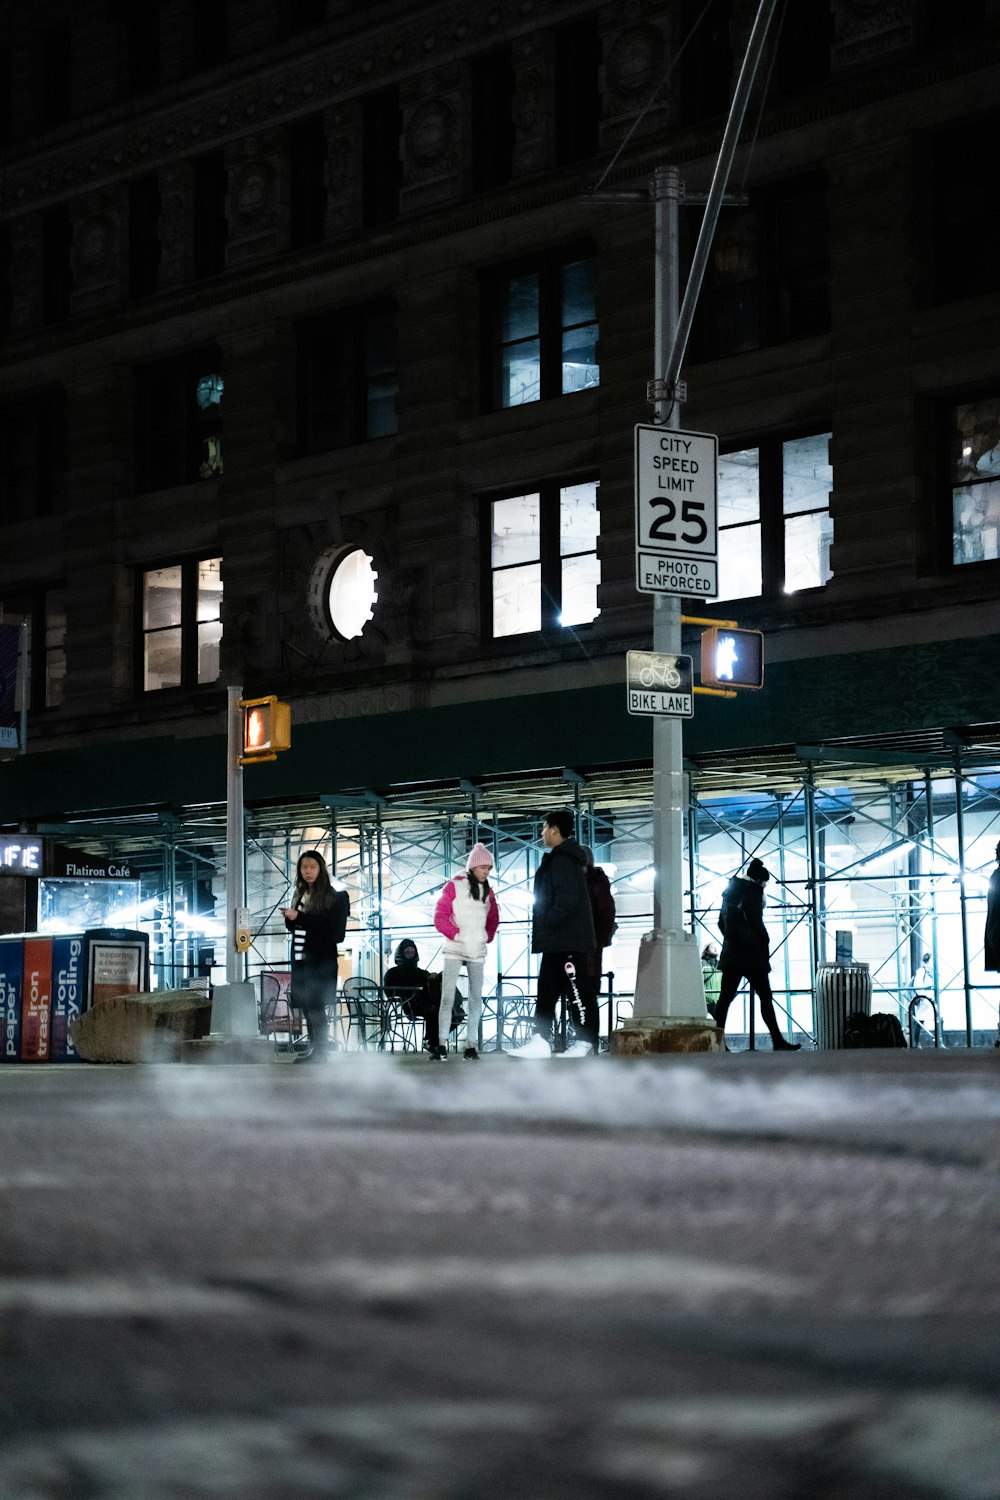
[(278, 280)]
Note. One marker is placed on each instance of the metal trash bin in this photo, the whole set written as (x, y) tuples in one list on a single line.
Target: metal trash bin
[(840, 990)]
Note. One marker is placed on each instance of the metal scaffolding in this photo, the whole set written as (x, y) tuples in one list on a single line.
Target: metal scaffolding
[(892, 849)]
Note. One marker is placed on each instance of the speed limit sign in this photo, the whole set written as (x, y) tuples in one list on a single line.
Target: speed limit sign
[(676, 528)]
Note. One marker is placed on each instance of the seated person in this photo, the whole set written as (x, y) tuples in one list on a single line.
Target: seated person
[(413, 988)]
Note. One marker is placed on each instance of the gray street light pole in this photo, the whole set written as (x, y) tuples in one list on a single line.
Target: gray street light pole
[(669, 985), (669, 992)]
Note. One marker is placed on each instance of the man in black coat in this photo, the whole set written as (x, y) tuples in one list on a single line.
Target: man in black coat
[(562, 931), (746, 949)]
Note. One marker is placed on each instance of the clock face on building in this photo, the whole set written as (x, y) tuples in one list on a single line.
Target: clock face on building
[(343, 592)]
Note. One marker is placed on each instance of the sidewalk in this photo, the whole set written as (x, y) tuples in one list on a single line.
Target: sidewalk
[(942, 1106)]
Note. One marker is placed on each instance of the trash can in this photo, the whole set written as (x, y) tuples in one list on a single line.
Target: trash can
[(840, 990)]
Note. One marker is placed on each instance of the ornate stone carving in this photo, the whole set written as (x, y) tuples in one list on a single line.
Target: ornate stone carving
[(431, 138), (333, 76), (97, 258), (343, 168), (533, 117), (864, 30), (25, 241), (255, 166), (635, 58), (175, 223)]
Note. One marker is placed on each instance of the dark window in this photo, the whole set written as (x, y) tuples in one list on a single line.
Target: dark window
[(775, 528), (348, 380), (6, 289), (56, 83), (179, 624), (974, 480), (767, 279), (954, 18), (209, 217), (382, 171), (6, 98), (304, 15), (802, 50), (57, 265), (307, 181), (32, 456), (963, 250), (706, 65), (540, 556), (178, 420), (541, 323), (140, 25), (577, 90), (209, 34), (45, 663), (492, 120), (143, 235)]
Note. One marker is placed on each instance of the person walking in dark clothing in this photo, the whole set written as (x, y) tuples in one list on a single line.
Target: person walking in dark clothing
[(317, 920), (410, 985), (562, 931), (991, 938), (602, 906), (746, 949)]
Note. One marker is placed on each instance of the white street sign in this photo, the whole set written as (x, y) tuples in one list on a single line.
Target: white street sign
[(676, 528), (659, 683)]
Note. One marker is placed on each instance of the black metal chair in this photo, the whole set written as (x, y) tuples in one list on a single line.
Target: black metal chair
[(510, 1014), (280, 1021), (401, 1030), (365, 1006)]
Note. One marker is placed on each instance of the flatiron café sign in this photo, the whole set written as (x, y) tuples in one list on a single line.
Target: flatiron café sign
[(74, 865)]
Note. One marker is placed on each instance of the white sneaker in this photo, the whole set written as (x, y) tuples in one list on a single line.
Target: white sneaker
[(537, 1047), (578, 1049)]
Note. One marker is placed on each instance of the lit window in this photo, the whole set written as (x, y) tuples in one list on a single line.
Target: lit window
[(544, 331), (975, 481), (543, 565), (775, 528), (181, 624)]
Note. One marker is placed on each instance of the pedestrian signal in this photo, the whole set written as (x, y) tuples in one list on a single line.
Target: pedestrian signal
[(267, 728), (732, 658)]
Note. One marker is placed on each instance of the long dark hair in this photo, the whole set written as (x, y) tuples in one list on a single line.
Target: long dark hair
[(320, 893), (478, 889)]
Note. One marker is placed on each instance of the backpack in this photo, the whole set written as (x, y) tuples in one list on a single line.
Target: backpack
[(341, 913), (602, 904), (880, 1030)]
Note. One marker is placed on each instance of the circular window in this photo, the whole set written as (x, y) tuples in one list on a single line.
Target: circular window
[(343, 592)]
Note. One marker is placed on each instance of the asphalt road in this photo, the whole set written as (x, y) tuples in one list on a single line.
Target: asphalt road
[(735, 1277)]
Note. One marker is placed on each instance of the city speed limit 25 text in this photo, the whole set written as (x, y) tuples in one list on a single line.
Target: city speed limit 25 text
[(676, 471)]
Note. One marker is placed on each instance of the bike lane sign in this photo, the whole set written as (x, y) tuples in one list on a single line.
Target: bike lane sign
[(676, 525), (660, 683)]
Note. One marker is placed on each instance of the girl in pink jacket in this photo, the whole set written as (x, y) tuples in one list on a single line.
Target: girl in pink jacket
[(467, 916)]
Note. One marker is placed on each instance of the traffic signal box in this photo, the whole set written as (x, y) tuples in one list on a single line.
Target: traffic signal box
[(732, 658), (267, 729)]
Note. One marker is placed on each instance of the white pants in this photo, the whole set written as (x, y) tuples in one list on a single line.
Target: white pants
[(450, 971)]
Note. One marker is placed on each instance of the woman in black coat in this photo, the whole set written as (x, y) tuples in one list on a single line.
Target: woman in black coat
[(317, 920)]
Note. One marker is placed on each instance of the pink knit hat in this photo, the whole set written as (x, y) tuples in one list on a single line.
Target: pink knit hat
[(479, 856)]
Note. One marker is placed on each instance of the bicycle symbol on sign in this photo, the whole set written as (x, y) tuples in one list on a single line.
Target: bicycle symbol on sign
[(660, 676)]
